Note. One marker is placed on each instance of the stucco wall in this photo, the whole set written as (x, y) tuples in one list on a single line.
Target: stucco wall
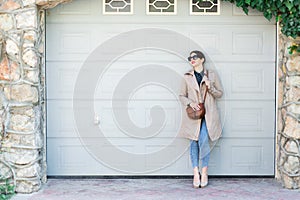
[(22, 102)]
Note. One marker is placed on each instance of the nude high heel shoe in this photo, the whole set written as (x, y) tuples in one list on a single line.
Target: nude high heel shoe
[(196, 184), (204, 180)]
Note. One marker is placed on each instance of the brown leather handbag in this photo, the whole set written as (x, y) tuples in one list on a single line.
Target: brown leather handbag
[(197, 114)]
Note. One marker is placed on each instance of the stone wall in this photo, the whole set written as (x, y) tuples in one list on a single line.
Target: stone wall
[(22, 108), (22, 102), (22, 92), (288, 137)]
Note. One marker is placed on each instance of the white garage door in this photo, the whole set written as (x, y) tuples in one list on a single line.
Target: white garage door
[(241, 48)]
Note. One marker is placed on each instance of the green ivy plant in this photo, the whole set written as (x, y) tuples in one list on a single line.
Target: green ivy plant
[(7, 190), (294, 48), (286, 12), (7, 186)]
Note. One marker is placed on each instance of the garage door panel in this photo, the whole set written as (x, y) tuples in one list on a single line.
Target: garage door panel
[(88, 39), (62, 156), (215, 158), (252, 156), (66, 74), (210, 41), (157, 162), (113, 83), (247, 81), (78, 8), (61, 118), (250, 40), (63, 77), (247, 119), (61, 160), (241, 119), (231, 43), (127, 144), (61, 121), (240, 80), (245, 42), (60, 115), (243, 157), (140, 115)]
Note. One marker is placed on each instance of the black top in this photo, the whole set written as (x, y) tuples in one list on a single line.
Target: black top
[(199, 76)]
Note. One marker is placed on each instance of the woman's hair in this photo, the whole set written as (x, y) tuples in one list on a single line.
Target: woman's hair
[(199, 54)]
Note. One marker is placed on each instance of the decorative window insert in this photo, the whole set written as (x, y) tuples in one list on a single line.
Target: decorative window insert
[(161, 7), (205, 7), (117, 7)]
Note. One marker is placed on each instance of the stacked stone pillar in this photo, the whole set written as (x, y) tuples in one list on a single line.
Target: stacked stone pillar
[(22, 92), (288, 136)]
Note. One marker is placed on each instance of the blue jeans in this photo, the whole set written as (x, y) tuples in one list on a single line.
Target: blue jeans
[(200, 148)]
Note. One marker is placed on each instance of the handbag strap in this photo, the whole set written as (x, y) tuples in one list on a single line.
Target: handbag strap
[(205, 89), (205, 94)]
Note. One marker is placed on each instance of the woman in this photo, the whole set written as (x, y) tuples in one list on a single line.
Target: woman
[(200, 131)]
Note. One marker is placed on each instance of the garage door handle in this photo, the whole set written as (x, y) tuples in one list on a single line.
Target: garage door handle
[(96, 120)]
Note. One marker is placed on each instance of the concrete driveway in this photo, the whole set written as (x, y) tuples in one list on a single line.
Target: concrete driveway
[(164, 189)]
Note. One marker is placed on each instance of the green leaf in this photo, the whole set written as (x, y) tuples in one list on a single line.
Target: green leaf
[(282, 9), (268, 15), (246, 10), (278, 18), (294, 48), (240, 4), (289, 5)]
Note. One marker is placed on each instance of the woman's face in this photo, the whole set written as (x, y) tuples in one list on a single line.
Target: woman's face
[(195, 60)]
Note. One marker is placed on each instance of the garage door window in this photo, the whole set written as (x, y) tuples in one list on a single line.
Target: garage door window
[(205, 7), (161, 7), (117, 6)]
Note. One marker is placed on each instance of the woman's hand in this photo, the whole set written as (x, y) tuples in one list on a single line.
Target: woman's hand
[(195, 106)]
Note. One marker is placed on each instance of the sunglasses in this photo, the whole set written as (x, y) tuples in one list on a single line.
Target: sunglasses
[(194, 57)]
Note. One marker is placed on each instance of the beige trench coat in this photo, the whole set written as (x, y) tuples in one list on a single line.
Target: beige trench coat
[(190, 92)]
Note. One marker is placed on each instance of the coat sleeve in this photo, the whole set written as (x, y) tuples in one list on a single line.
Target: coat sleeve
[(183, 93), (216, 89)]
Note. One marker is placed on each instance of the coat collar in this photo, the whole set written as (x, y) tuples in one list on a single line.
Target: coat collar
[(192, 80), (192, 72)]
